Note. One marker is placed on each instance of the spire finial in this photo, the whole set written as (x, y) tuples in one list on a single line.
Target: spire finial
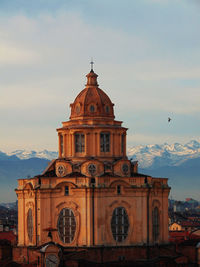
[(91, 63), (91, 76)]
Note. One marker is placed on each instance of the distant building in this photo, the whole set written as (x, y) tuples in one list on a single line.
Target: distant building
[(179, 206), (92, 197), (188, 226), (175, 227), (9, 236)]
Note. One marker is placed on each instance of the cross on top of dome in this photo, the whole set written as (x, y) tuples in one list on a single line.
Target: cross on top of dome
[(91, 76), (91, 63), (92, 102)]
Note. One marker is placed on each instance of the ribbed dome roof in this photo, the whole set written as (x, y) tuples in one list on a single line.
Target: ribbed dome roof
[(92, 101)]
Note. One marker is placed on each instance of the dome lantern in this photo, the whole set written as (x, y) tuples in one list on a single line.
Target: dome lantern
[(92, 79), (92, 102)]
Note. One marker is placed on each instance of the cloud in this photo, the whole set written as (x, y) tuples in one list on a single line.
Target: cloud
[(67, 36), (44, 59), (16, 55)]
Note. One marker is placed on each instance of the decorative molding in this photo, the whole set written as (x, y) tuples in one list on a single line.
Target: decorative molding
[(28, 186), (119, 204), (30, 204), (67, 204), (126, 203), (119, 181), (156, 203), (113, 203)]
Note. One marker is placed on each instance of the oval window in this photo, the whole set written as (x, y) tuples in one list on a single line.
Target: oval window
[(125, 168), (119, 224), (66, 225), (107, 109), (77, 109), (92, 108), (92, 168), (30, 224), (61, 170)]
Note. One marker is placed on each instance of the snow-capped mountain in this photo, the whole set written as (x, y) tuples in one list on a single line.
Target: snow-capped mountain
[(150, 156), (180, 163), (27, 154)]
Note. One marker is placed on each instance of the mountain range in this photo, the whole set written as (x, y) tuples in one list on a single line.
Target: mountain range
[(148, 156), (180, 163), (27, 154), (155, 156)]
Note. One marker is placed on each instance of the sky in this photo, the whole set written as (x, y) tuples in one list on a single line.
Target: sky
[(146, 53)]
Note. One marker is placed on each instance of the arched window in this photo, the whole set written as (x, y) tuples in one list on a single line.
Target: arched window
[(30, 224), (92, 109), (107, 109), (155, 223), (66, 225), (119, 224), (79, 142), (105, 142), (118, 189), (66, 190)]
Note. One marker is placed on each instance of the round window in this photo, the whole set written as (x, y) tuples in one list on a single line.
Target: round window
[(30, 224), (60, 171), (92, 169), (125, 168), (66, 225), (119, 224)]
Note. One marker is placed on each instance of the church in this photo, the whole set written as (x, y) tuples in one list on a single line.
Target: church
[(91, 197)]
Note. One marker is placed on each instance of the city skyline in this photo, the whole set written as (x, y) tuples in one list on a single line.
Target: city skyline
[(146, 54)]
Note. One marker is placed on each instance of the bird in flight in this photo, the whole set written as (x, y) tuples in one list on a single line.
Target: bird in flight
[(169, 119)]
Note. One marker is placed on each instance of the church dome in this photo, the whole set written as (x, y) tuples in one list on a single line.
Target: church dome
[(92, 102)]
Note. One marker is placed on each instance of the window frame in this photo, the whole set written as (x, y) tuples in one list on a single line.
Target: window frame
[(92, 108), (119, 189), (66, 225), (105, 142), (155, 224), (107, 109), (66, 190), (79, 139), (120, 224), (30, 224)]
